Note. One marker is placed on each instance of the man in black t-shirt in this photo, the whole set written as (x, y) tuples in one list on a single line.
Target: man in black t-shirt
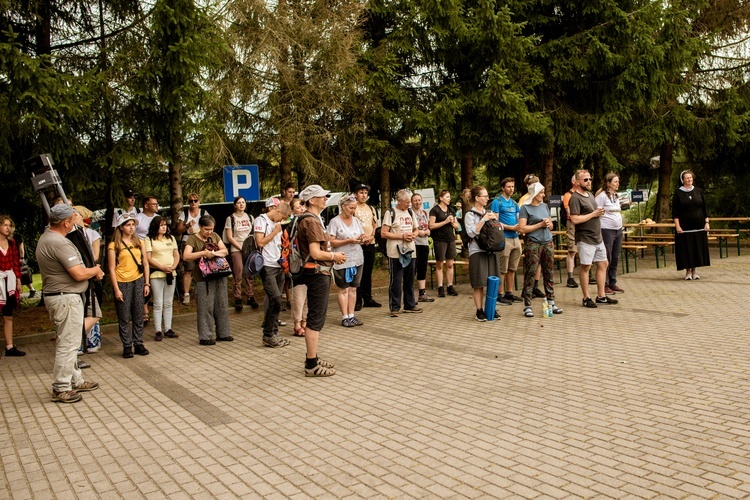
[(585, 215)]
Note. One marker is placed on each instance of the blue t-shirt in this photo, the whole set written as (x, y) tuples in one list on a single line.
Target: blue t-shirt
[(534, 215), (507, 211)]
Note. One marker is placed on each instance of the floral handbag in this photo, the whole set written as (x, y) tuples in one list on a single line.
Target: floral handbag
[(215, 267)]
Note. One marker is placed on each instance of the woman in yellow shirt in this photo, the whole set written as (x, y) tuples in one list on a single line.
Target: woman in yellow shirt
[(129, 274), (163, 256)]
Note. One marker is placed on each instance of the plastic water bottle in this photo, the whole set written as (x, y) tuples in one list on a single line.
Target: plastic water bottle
[(545, 309)]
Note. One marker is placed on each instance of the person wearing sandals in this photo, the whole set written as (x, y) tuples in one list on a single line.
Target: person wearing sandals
[(163, 256), (299, 289), (129, 274), (238, 228), (481, 264), (691, 227), (267, 230), (210, 295), (443, 226), (347, 236), (316, 275), (535, 221), (607, 199), (587, 217)]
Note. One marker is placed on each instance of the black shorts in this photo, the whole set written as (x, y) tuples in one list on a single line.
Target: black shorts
[(10, 306), (444, 250), (339, 277), (318, 289)]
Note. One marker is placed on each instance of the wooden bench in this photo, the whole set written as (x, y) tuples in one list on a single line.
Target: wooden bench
[(456, 265), (630, 250), (723, 236), (659, 245)]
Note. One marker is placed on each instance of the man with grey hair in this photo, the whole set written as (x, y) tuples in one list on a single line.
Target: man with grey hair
[(64, 280), (400, 229)]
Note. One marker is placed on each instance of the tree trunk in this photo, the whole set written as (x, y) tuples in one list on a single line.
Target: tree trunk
[(598, 172), (175, 188), (548, 171), (663, 196), (467, 168), (285, 166), (385, 189), (43, 29)]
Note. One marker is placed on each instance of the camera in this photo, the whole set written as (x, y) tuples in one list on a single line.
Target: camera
[(170, 279)]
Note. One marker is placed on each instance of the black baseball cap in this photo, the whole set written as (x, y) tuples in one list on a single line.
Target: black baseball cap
[(360, 186)]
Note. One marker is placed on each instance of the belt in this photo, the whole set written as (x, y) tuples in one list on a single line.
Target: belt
[(55, 294)]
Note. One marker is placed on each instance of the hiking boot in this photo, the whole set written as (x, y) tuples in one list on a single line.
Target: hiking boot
[(452, 291), (275, 341), (158, 337), (608, 290), (441, 291), (617, 289), (572, 283), (587, 302), (127, 352), (504, 302), (537, 294), (423, 297), (140, 350), (238, 305), (14, 351), (86, 387), (481, 316), (207, 342), (605, 300), (66, 397), (252, 303)]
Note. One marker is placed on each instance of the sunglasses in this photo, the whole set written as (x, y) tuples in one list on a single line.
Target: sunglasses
[(192, 201), (587, 179)]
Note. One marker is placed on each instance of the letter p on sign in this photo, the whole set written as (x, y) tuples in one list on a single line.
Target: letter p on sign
[(241, 180)]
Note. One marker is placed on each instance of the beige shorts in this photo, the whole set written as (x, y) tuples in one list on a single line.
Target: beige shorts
[(511, 255), (570, 236)]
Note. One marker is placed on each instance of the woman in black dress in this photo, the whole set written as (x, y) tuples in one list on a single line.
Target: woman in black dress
[(691, 227)]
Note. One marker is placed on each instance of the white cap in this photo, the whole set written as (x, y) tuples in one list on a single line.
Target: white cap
[(534, 190), (313, 191)]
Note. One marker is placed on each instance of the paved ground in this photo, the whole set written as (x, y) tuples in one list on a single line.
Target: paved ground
[(644, 399)]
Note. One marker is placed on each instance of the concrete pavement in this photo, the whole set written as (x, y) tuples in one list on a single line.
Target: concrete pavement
[(644, 399)]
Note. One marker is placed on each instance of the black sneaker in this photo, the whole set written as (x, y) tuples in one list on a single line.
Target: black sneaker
[(606, 300), (32, 293), (207, 342), (481, 316), (514, 298), (358, 305), (587, 302), (252, 303), (158, 337), (372, 303), (13, 351), (140, 350), (346, 322), (537, 294), (572, 283), (228, 338), (441, 291), (127, 352), (452, 291), (504, 302), (238, 305), (592, 280)]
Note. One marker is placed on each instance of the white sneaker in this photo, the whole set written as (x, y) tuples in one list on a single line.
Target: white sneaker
[(93, 349), (186, 299)]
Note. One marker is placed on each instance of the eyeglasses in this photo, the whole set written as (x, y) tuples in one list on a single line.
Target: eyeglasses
[(192, 201)]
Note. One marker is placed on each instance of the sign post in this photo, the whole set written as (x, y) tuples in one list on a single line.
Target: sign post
[(241, 180), (637, 197)]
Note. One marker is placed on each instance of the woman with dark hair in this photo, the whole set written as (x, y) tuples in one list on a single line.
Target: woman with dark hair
[(10, 274), (482, 264), (691, 227), (210, 295), (129, 274), (238, 228), (443, 226), (163, 256), (607, 199)]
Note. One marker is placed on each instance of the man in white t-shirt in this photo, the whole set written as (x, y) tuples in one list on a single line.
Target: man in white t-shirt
[(267, 229), (187, 224), (150, 207), (400, 229)]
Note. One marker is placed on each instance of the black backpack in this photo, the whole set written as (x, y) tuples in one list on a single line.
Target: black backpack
[(491, 237)]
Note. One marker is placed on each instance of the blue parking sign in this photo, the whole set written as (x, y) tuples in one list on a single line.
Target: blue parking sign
[(241, 180)]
